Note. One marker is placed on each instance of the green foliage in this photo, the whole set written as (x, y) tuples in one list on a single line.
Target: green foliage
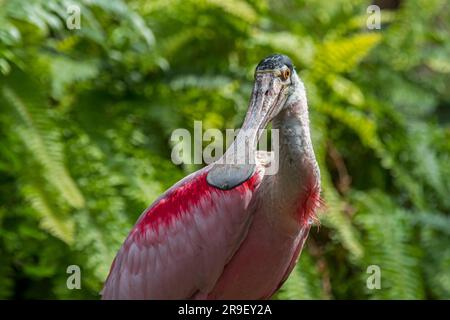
[(86, 117)]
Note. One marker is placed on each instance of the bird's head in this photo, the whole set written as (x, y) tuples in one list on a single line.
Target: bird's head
[(275, 81), (276, 86)]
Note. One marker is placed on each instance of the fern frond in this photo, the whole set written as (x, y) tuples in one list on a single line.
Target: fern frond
[(364, 126), (45, 149), (389, 244), (343, 55), (238, 8), (57, 225)]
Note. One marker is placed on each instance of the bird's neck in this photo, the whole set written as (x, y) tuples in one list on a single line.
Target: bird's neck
[(298, 174), (296, 154)]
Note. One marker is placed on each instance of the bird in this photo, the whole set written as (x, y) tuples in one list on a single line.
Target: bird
[(231, 230)]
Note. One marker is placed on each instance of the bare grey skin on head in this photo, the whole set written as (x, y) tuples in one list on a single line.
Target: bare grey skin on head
[(274, 83)]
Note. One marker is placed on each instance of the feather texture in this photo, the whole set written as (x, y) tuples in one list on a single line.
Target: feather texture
[(193, 229)]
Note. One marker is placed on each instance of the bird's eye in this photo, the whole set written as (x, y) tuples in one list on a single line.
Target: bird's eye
[(286, 73)]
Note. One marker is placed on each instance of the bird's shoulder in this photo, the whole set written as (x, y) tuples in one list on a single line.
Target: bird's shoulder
[(193, 192)]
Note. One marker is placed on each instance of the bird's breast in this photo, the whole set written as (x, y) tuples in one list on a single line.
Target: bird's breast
[(263, 260)]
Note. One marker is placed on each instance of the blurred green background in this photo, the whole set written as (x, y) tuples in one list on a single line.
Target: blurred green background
[(86, 117)]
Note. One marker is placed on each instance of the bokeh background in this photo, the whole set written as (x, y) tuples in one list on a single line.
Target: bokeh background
[(86, 117)]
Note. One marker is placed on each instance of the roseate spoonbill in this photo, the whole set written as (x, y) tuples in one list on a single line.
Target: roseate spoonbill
[(228, 231)]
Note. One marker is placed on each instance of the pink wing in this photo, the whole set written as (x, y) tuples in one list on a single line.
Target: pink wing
[(181, 244)]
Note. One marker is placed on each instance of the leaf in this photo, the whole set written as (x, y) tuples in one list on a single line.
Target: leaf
[(238, 8), (361, 124), (343, 55), (389, 245), (60, 227), (74, 71), (346, 89), (45, 150)]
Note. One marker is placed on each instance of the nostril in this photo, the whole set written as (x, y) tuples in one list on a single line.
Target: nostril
[(266, 93)]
